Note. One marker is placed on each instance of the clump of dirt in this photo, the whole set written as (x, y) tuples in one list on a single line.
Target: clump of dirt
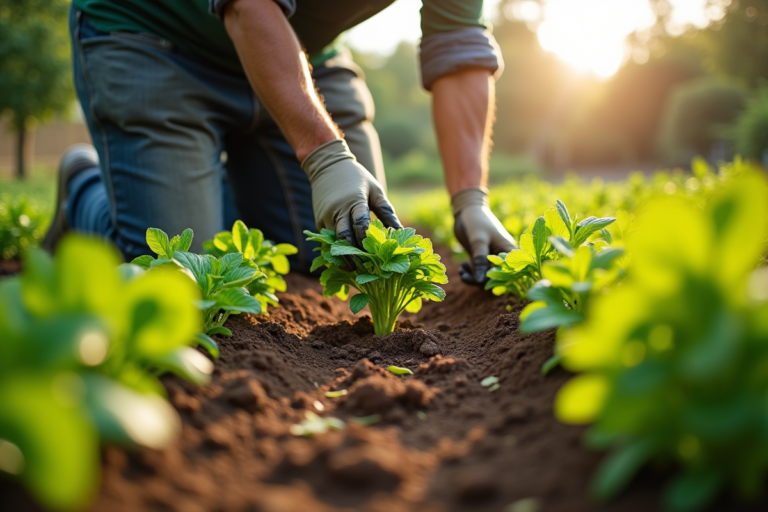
[(373, 390), (439, 441)]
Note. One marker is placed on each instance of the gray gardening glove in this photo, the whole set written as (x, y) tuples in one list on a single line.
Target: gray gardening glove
[(344, 193), (479, 232)]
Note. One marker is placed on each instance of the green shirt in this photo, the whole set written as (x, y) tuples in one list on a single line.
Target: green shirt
[(318, 23)]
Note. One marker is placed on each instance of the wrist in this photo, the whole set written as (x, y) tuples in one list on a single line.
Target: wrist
[(324, 156), (471, 196)]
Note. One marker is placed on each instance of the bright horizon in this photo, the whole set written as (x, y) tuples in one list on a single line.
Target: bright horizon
[(570, 29)]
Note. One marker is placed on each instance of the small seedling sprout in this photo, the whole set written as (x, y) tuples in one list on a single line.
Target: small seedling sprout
[(399, 371)]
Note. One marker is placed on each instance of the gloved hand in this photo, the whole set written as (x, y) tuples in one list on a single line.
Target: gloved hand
[(479, 232), (344, 193)]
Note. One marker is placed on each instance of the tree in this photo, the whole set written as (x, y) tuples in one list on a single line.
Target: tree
[(35, 77)]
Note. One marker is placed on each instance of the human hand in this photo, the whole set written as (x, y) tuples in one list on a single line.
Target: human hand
[(344, 193), (479, 232)]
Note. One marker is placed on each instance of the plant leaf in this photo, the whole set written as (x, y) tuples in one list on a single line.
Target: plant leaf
[(366, 278), (185, 240), (158, 242), (358, 302), (619, 468), (143, 261), (208, 343), (551, 363), (240, 237), (399, 371), (344, 248), (280, 264), (188, 364), (399, 264), (237, 299)]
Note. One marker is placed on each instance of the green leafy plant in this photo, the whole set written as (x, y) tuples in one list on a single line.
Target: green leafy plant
[(394, 272), (222, 281), (82, 344), (561, 299), (271, 259), (22, 226), (671, 364), (517, 271)]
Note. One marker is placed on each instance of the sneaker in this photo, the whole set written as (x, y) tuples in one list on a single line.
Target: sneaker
[(75, 160)]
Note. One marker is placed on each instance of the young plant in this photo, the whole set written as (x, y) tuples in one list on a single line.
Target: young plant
[(394, 272), (81, 346), (562, 297), (516, 272), (671, 364), (271, 259), (222, 281)]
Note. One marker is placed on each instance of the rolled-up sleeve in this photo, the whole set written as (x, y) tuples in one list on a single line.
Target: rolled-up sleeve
[(217, 7), (455, 37)]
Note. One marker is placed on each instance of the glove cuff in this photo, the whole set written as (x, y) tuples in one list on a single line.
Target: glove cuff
[(325, 156), (475, 196)]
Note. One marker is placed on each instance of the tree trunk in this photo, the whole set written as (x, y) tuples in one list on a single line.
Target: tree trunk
[(21, 147)]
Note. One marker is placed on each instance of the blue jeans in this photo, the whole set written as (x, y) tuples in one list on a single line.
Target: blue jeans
[(183, 144)]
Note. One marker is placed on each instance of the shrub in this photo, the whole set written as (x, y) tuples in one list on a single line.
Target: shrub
[(695, 118), (750, 131)]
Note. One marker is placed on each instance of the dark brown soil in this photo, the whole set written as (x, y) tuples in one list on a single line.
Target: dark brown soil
[(442, 441)]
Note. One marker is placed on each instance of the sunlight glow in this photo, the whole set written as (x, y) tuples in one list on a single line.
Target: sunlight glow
[(589, 34)]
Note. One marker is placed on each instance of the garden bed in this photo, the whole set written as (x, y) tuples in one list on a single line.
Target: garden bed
[(443, 442)]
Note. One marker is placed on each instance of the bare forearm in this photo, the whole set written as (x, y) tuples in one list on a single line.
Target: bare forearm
[(463, 106), (278, 71)]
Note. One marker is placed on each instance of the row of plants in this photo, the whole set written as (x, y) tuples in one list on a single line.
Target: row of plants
[(671, 364), (517, 204), (85, 338), (667, 332)]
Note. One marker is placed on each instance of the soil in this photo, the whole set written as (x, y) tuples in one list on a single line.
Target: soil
[(442, 441)]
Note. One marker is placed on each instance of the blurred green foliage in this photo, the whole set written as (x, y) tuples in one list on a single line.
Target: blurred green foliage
[(750, 132), (697, 116), (519, 203), (671, 364), (23, 222), (35, 63), (82, 343)]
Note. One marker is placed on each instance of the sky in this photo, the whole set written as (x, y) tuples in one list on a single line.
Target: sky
[(570, 29)]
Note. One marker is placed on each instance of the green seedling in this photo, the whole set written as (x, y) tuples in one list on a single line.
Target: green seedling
[(394, 272), (399, 371), (222, 281), (335, 394), (562, 298), (314, 424), (81, 347), (421, 415), (270, 258), (544, 240), (671, 364)]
